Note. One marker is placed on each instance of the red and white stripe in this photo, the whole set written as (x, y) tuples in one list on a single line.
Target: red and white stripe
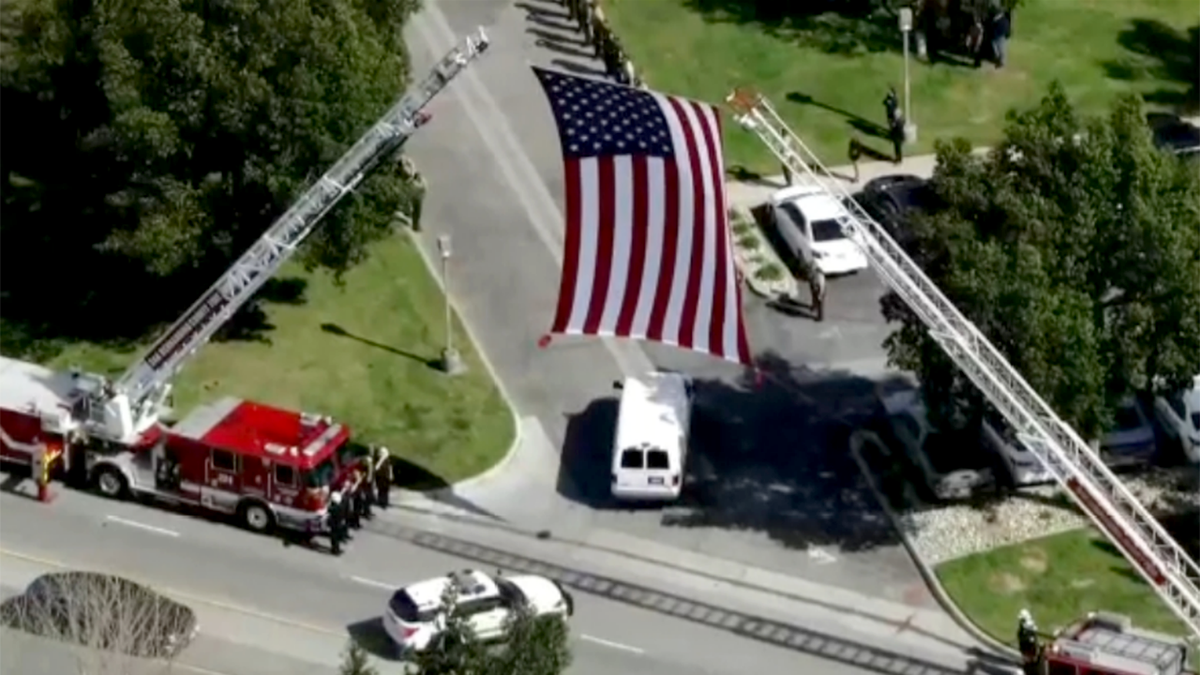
[(648, 249)]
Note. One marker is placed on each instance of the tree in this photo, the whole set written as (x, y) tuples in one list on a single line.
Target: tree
[(109, 623), (146, 140), (1074, 245), (356, 661), (531, 645)]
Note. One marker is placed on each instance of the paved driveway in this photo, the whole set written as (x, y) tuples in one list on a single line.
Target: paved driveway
[(772, 483)]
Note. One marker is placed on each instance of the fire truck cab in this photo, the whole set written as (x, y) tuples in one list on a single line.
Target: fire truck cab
[(268, 466), (1108, 644)]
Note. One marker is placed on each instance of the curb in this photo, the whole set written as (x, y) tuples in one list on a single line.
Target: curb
[(499, 466), (927, 574), (756, 286)]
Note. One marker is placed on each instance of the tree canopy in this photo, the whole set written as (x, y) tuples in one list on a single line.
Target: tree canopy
[(1074, 245), (156, 139)]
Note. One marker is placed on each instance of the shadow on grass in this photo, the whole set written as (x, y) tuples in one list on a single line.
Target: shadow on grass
[(250, 323), (1163, 54), (856, 121), (334, 329), (842, 27)]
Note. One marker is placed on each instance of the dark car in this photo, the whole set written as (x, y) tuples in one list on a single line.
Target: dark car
[(101, 611), (893, 200), (1174, 134)]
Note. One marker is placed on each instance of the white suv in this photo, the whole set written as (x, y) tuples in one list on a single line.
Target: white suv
[(415, 616), (1179, 415), (808, 220)]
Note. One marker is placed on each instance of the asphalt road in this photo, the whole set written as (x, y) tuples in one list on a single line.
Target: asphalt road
[(774, 486), (256, 597)]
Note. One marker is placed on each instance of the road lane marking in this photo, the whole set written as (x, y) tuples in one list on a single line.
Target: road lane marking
[(371, 582), (610, 643), (183, 595), (141, 526)]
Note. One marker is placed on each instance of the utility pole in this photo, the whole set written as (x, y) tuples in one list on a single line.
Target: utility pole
[(451, 361), (910, 125)]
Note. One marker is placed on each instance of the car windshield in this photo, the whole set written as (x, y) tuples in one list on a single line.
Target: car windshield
[(1127, 418), (321, 475), (827, 230), (510, 594)]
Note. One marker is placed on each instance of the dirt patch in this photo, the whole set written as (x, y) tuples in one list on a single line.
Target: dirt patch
[(1008, 584), (1035, 561), (1082, 583)]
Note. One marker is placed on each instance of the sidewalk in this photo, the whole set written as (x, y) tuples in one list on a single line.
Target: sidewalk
[(679, 573)]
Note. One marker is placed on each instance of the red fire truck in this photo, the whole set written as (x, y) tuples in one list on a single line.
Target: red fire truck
[(271, 467), (1108, 644)]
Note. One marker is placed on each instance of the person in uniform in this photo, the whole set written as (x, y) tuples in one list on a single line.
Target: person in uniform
[(353, 510), (383, 476), (337, 524), (816, 286), (1027, 640), (368, 486)]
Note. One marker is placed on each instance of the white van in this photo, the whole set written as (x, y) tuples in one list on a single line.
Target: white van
[(651, 442)]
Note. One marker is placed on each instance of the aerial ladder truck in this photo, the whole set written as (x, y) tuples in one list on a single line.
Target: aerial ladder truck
[(1075, 465), (45, 412)]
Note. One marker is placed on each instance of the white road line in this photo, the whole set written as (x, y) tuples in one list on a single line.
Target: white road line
[(614, 645), (371, 582), (142, 526)]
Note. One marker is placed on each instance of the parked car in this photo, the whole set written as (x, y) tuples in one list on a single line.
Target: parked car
[(1174, 134), (1022, 466), (893, 200), (808, 221), (102, 611), (952, 463), (1131, 440), (1178, 414), (415, 616)]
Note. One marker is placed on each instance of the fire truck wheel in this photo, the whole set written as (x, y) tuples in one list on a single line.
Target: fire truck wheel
[(110, 482), (256, 516)]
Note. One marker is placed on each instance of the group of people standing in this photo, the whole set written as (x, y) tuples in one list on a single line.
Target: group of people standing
[(370, 486), (592, 23)]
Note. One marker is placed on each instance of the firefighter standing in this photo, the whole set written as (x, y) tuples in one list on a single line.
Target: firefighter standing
[(1027, 641), (337, 524), (353, 510), (383, 476), (816, 287)]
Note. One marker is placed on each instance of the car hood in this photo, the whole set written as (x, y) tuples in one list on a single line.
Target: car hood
[(837, 248), (542, 593)]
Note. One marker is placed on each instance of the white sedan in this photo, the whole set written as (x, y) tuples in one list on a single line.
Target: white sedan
[(1179, 415), (416, 616), (808, 220)]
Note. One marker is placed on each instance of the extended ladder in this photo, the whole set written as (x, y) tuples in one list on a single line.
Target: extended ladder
[(1101, 495), (145, 381)]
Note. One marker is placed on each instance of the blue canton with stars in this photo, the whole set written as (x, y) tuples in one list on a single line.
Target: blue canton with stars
[(601, 119)]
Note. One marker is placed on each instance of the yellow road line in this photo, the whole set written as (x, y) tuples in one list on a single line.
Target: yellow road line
[(220, 604)]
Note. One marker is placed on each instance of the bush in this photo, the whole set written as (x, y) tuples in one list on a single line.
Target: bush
[(769, 272)]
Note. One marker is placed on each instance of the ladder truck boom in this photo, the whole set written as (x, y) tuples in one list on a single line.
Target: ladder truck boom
[(122, 411), (1076, 467)]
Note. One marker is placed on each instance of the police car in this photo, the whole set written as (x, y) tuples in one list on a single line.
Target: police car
[(416, 614)]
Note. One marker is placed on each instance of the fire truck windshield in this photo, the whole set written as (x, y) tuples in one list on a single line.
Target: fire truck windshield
[(321, 475)]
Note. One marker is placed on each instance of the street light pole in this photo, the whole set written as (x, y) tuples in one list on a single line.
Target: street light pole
[(910, 125), (451, 361)]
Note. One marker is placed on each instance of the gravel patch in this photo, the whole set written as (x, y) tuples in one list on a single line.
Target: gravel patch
[(955, 531)]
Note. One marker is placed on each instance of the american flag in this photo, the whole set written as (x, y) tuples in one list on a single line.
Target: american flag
[(648, 252)]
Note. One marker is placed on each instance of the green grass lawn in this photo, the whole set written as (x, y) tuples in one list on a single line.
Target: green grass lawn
[(1059, 579), (374, 377), (825, 75)]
